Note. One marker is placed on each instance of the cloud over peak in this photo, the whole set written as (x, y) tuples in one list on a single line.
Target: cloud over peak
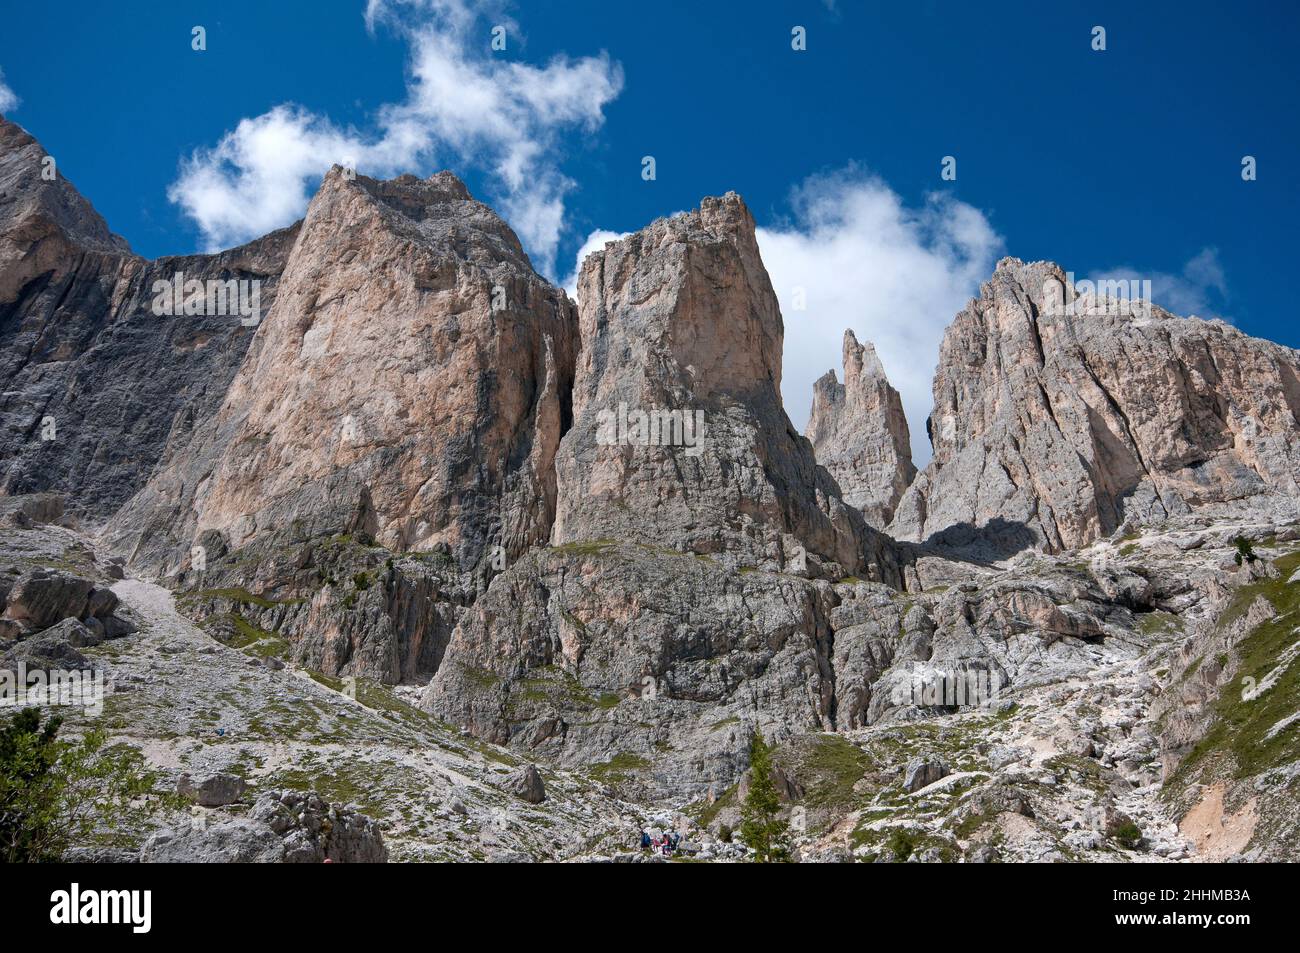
[(463, 103), (855, 256)]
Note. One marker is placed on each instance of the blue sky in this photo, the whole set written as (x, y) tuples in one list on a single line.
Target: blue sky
[(1123, 160)]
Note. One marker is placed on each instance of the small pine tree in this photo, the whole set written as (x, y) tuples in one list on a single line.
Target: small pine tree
[(761, 828), (1244, 550)]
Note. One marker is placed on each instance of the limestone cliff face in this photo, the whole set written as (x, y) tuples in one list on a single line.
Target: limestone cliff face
[(45, 224), (860, 435), (1057, 421), (686, 598), (409, 386), (680, 328), (94, 386), (388, 442)]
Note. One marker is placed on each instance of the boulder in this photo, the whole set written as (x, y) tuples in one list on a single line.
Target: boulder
[(315, 831), (30, 509), (115, 627), (76, 633), (53, 649), (526, 783), (924, 771), (101, 603), (281, 827), (11, 630), (235, 841), (42, 597), (214, 790)]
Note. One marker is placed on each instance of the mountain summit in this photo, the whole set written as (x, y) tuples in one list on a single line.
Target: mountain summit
[(1058, 421)]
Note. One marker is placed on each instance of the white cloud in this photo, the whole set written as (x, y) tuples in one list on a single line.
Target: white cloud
[(1200, 289), (896, 275), (256, 178), (594, 242), (8, 99), (462, 102)]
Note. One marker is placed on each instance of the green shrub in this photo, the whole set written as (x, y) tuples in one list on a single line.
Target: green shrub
[(1127, 835), (55, 793), (901, 844)]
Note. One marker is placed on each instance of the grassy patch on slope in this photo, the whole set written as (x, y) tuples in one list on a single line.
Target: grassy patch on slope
[(1242, 725)]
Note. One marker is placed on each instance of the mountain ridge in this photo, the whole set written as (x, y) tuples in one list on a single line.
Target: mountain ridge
[(407, 473)]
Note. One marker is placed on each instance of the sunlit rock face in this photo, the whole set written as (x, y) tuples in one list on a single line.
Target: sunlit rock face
[(411, 384), (1058, 419), (860, 435), (680, 327)]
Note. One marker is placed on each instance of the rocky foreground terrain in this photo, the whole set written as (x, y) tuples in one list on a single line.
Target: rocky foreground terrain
[(433, 563)]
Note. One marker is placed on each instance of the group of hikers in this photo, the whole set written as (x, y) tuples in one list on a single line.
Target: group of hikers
[(666, 843)]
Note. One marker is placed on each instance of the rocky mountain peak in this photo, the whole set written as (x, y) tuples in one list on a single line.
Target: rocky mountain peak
[(860, 360), (31, 202), (44, 221), (680, 327), (445, 182), (1064, 413), (860, 434), (413, 376), (684, 494), (437, 211), (593, 535), (714, 341)]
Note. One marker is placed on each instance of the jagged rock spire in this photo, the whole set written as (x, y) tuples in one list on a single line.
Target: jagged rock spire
[(860, 435), (680, 320)]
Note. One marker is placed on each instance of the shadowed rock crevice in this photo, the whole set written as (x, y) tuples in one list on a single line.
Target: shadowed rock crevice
[(995, 540)]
